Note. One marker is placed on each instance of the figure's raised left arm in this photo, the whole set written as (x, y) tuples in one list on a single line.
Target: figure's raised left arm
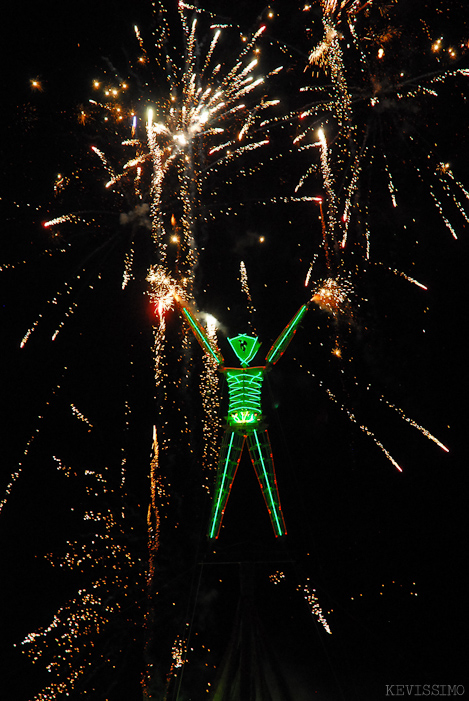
[(280, 345)]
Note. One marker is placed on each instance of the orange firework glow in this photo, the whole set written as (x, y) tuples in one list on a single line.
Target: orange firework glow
[(333, 296), (36, 84)]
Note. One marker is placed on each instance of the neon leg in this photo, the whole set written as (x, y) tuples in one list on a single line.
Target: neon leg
[(230, 455), (261, 456)]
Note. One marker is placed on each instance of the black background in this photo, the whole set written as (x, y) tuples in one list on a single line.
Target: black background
[(368, 537)]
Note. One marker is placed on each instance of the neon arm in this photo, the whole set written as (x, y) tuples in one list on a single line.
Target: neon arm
[(200, 334), (281, 344)]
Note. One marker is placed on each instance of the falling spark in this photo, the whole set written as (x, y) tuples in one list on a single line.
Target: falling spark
[(210, 393), (247, 292), (413, 423), (313, 602), (80, 416), (363, 428)]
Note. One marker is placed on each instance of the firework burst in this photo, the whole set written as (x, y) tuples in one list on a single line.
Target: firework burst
[(161, 154)]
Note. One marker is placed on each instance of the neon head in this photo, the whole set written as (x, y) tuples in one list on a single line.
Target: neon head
[(245, 347)]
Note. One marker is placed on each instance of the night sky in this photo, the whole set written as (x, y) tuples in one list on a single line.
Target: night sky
[(384, 550)]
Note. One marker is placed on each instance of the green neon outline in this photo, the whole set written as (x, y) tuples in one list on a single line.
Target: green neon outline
[(244, 417), (273, 505), (285, 337), (220, 493), (255, 347), (201, 337), (244, 390)]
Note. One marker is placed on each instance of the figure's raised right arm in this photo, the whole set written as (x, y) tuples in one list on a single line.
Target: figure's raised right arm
[(201, 335)]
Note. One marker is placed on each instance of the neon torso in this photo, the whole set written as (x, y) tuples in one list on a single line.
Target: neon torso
[(244, 392)]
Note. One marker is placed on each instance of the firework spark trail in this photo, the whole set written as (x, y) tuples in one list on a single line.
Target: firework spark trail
[(247, 292), (210, 393), (328, 54), (213, 44), (128, 264), (332, 209), (309, 595), (370, 433), (413, 423), (123, 462), (28, 333), (69, 290), (352, 188), (15, 475), (444, 172), (178, 653), (66, 218), (105, 163), (67, 315), (391, 186), (153, 531), (162, 292), (313, 602), (439, 207), (310, 270), (354, 420), (153, 518), (404, 275), (80, 416)]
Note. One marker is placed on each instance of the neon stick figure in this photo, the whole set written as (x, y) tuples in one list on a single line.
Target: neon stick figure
[(245, 422)]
